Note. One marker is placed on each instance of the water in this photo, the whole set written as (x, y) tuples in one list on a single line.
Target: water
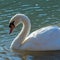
[(41, 13)]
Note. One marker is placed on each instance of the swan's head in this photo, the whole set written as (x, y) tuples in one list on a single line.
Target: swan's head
[(14, 21)]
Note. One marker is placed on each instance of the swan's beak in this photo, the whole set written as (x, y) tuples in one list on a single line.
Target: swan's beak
[(11, 29)]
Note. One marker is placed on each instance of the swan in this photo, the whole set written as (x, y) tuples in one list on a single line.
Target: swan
[(43, 39)]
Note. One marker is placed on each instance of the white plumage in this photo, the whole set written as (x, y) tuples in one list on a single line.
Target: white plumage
[(43, 39)]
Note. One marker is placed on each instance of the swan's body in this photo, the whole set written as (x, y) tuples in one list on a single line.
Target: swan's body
[(46, 38)]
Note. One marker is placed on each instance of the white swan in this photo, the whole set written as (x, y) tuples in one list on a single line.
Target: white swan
[(46, 38)]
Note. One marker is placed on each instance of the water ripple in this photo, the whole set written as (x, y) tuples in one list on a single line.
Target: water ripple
[(41, 13)]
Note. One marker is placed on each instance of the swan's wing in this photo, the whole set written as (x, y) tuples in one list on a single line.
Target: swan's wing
[(47, 38)]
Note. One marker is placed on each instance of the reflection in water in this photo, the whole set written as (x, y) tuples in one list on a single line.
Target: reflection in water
[(49, 55), (41, 12)]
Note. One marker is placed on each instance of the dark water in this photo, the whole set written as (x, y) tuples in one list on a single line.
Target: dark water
[(41, 13)]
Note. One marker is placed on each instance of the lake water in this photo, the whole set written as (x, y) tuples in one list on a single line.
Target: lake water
[(41, 13)]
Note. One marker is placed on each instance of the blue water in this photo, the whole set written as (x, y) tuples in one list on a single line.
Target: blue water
[(41, 13)]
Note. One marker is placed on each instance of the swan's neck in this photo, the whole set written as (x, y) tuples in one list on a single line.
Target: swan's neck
[(25, 29), (22, 35)]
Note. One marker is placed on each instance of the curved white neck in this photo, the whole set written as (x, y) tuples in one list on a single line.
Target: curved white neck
[(25, 29), (22, 35)]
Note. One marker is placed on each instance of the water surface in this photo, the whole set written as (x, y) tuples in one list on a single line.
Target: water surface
[(41, 13)]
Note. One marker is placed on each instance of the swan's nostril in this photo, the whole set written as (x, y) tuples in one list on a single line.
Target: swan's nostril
[(11, 28)]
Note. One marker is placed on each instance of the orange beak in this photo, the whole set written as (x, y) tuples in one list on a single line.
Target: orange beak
[(11, 29)]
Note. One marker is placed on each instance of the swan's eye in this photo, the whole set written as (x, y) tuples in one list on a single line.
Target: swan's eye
[(12, 23)]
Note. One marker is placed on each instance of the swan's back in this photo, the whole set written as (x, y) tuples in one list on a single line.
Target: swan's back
[(47, 38)]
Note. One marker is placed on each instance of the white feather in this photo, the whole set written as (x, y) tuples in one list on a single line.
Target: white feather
[(46, 38)]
